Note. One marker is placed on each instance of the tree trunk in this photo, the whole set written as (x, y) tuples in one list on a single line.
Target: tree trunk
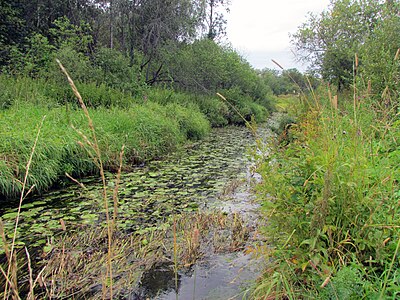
[(211, 33), (111, 25)]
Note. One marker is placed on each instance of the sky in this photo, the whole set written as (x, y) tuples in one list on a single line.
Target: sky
[(259, 29)]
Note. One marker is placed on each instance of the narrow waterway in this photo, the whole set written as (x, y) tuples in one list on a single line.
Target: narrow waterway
[(213, 174)]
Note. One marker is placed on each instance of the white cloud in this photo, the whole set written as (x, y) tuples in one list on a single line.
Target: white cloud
[(261, 27)]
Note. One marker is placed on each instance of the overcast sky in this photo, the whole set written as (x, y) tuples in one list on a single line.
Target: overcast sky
[(259, 29)]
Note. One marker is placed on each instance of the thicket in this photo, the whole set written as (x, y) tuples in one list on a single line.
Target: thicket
[(331, 188)]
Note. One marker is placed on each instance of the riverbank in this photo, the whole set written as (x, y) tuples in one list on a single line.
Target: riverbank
[(330, 193), (150, 125), (197, 195)]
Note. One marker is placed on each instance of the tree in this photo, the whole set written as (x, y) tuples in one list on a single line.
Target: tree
[(214, 17), (11, 28), (379, 55), (330, 41)]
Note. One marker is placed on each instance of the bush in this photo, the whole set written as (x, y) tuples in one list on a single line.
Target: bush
[(77, 64), (115, 70), (245, 107), (216, 111)]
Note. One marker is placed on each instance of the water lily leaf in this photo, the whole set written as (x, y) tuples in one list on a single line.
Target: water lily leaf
[(89, 216), (28, 205), (11, 215), (47, 248)]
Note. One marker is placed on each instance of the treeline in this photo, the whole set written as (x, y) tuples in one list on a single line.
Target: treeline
[(126, 45)]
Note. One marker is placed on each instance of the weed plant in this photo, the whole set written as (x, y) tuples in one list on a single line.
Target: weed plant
[(331, 197)]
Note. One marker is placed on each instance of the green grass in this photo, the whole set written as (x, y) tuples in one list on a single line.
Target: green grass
[(331, 198), (148, 131), (149, 124)]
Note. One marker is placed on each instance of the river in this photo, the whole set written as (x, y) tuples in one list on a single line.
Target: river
[(210, 175)]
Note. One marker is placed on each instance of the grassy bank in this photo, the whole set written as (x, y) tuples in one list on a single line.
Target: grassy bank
[(330, 194), (148, 131), (17, 90), (149, 124)]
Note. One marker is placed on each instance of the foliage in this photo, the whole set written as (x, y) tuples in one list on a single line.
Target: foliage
[(147, 130), (115, 70), (379, 57), (36, 57), (243, 108), (217, 112), (214, 18), (286, 82), (346, 284), (331, 40), (11, 32), (330, 198), (152, 44), (66, 34), (218, 68)]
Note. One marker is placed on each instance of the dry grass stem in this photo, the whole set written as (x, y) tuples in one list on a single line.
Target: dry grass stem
[(396, 57), (117, 182), (75, 180), (31, 294), (95, 146), (21, 199)]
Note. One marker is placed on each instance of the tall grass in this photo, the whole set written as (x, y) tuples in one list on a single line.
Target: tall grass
[(92, 144), (331, 197), (22, 90), (11, 288), (147, 130)]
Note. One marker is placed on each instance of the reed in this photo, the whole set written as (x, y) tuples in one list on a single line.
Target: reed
[(94, 145), (77, 257), (11, 284)]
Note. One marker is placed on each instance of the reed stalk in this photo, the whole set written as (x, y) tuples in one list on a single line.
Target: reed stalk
[(98, 160), (12, 262)]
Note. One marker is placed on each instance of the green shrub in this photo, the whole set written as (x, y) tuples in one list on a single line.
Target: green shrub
[(115, 70), (216, 111), (347, 284), (77, 64)]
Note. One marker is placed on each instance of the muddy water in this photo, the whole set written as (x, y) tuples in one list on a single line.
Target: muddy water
[(211, 174)]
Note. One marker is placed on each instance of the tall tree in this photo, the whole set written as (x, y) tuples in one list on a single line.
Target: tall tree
[(330, 41), (215, 19), (12, 28)]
